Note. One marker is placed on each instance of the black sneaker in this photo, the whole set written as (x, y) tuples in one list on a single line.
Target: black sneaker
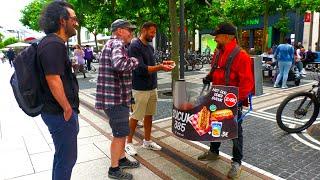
[(128, 164), (119, 175)]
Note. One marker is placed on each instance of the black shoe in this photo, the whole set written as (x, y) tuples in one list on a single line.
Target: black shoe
[(119, 175), (128, 164)]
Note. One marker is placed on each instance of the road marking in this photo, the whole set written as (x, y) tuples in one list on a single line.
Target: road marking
[(243, 163), (305, 142)]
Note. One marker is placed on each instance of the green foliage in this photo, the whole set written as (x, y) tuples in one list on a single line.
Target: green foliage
[(1, 37), (283, 25), (9, 41), (31, 14), (1, 45)]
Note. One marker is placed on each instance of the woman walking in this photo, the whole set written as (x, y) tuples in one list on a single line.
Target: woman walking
[(79, 55), (285, 57)]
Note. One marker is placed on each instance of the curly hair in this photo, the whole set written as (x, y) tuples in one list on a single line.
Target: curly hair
[(50, 17)]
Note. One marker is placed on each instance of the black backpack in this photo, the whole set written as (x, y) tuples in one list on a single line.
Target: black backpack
[(25, 81)]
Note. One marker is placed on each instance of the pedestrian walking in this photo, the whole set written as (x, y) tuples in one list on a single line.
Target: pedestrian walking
[(144, 84), (79, 55), (114, 93), (88, 56), (60, 87), (285, 57), (241, 76), (11, 55)]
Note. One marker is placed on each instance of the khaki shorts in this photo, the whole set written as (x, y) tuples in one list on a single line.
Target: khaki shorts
[(145, 103)]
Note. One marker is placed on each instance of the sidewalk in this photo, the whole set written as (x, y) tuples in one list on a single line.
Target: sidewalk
[(26, 149)]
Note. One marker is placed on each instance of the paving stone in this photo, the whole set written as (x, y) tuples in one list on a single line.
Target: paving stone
[(146, 154), (89, 152), (36, 176), (42, 161), (220, 165), (88, 131), (15, 154), (247, 176), (92, 139), (36, 144), (164, 124), (175, 143), (158, 134), (166, 166), (95, 169)]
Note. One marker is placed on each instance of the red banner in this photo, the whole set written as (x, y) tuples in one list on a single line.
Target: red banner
[(307, 17)]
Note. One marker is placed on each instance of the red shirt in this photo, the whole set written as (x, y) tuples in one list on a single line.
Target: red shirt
[(241, 73)]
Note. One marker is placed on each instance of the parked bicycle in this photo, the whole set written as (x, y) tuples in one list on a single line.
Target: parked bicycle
[(299, 110)]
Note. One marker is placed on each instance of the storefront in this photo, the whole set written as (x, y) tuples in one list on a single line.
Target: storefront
[(252, 33)]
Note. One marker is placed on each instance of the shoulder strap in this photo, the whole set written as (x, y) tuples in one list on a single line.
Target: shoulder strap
[(230, 60), (215, 62)]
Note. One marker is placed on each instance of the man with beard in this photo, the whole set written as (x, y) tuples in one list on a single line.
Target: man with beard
[(60, 87), (114, 87), (144, 85), (241, 76)]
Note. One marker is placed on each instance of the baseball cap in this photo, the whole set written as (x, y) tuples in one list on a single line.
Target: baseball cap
[(121, 23), (225, 28)]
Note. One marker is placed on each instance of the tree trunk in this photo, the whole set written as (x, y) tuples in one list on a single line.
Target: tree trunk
[(174, 38), (79, 35), (192, 31), (265, 28), (95, 40)]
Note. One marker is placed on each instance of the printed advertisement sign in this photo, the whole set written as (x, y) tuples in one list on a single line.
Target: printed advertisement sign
[(211, 117)]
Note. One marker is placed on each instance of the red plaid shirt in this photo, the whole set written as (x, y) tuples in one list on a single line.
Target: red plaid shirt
[(114, 83)]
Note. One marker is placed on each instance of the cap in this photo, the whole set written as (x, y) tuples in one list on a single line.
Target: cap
[(121, 23), (225, 28)]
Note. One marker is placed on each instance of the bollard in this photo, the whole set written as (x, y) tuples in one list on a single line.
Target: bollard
[(257, 72)]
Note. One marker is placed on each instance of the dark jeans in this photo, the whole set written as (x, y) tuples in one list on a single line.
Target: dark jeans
[(11, 62), (64, 135), (237, 143), (89, 64)]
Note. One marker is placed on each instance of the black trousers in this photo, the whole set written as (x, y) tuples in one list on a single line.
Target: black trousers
[(89, 64), (237, 143)]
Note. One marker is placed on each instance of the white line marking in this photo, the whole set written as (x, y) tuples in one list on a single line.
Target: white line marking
[(305, 142), (311, 138), (161, 120), (261, 171)]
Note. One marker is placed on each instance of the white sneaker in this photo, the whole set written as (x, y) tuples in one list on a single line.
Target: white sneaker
[(130, 150), (151, 145), (303, 72)]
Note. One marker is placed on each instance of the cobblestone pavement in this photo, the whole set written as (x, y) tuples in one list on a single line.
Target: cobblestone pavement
[(289, 156)]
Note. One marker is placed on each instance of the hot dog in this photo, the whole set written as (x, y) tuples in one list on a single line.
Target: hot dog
[(222, 114), (204, 118)]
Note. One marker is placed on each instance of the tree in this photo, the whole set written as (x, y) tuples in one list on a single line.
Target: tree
[(9, 41), (31, 14), (175, 38)]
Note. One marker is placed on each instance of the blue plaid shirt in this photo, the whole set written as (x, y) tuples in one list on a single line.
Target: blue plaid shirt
[(115, 75)]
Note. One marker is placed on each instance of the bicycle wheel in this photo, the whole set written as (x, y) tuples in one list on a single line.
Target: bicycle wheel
[(199, 64), (297, 112)]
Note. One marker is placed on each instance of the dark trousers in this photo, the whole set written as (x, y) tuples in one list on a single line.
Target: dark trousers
[(237, 143), (89, 64), (64, 135), (11, 62)]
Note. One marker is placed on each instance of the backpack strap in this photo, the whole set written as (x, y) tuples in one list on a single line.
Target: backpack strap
[(230, 60), (215, 62)]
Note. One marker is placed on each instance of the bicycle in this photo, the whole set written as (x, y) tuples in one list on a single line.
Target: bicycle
[(193, 61), (304, 106), (93, 69)]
